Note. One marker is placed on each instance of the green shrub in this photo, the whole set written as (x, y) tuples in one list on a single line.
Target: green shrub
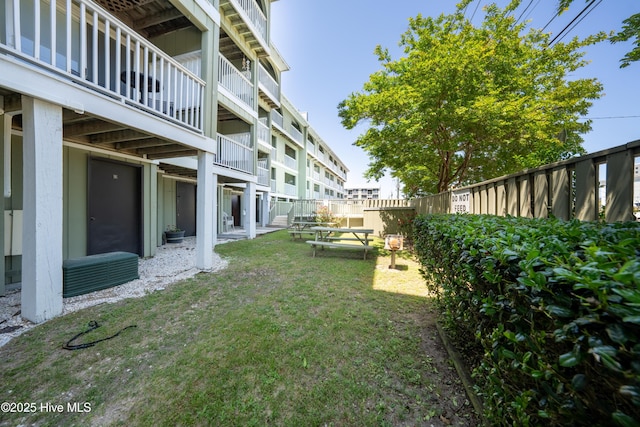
[(325, 216), (553, 308)]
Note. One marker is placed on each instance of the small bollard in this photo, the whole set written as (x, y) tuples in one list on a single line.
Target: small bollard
[(393, 243)]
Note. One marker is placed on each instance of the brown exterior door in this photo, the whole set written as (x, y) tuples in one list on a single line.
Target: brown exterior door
[(114, 207), (235, 210), (186, 208)]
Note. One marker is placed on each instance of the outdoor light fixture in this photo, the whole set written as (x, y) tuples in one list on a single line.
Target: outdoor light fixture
[(393, 243)]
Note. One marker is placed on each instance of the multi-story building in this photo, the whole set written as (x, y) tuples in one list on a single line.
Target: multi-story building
[(363, 193), (123, 117)]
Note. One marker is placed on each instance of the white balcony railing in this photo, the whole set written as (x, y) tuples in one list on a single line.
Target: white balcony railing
[(256, 17), (268, 83), (230, 78), (264, 135), (235, 152), (296, 135), (84, 43), (311, 148), (277, 119), (290, 190), (274, 186), (263, 172), (290, 162)]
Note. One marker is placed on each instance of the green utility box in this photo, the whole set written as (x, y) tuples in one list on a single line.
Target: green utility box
[(95, 272)]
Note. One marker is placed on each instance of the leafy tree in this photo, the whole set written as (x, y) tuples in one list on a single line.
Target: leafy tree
[(630, 30), (465, 104)]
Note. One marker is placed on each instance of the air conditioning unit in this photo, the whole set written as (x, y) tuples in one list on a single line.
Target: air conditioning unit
[(96, 272)]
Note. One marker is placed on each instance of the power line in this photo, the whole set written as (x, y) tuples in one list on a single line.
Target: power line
[(531, 11), (522, 13), (609, 117), (573, 20), (576, 24), (551, 20), (475, 10)]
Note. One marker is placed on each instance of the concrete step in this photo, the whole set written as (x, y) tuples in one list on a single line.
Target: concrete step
[(280, 221)]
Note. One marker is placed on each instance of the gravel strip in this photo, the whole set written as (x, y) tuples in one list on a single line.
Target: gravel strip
[(173, 262)]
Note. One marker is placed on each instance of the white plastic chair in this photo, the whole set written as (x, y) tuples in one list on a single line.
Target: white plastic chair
[(227, 222)]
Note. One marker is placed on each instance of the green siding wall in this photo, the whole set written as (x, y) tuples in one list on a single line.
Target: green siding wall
[(74, 241), (75, 194)]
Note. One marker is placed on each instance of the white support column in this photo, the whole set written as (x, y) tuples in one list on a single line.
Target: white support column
[(42, 203), (249, 210), (264, 200), (206, 220), (5, 140)]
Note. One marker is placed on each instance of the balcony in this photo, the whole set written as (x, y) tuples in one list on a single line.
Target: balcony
[(264, 135), (290, 162), (277, 119), (87, 45), (263, 172), (311, 148), (296, 135), (235, 83), (290, 189), (268, 87), (250, 22), (235, 152)]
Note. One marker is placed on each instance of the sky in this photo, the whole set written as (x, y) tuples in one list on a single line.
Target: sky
[(329, 47)]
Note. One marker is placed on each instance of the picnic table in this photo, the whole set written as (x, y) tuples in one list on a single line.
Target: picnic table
[(326, 237), (298, 228)]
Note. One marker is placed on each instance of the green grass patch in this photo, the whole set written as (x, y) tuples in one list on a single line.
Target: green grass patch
[(277, 338)]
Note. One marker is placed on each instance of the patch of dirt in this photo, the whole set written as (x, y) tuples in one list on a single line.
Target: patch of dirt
[(456, 407)]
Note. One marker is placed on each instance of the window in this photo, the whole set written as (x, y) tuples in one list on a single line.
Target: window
[(289, 179), (289, 151)]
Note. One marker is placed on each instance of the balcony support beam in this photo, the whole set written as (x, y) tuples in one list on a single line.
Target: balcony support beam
[(206, 217), (249, 209), (42, 226), (210, 44)]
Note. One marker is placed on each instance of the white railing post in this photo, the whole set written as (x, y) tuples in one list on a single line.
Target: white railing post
[(53, 31), (36, 23)]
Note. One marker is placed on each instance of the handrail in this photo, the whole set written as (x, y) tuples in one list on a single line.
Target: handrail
[(269, 84), (232, 79), (123, 65), (234, 154), (256, 17)]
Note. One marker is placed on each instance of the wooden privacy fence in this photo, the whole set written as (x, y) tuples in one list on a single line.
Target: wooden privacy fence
[(568, 189), (572, 188)]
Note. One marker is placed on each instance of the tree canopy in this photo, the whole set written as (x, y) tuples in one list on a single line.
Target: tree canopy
[(464, 104)]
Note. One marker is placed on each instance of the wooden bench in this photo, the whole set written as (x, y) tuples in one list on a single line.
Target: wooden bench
[(325, 244)]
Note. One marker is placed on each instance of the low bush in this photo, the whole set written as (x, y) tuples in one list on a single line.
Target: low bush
[(552, 307)]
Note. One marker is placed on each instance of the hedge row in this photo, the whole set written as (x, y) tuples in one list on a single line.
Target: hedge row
[(554, 307)]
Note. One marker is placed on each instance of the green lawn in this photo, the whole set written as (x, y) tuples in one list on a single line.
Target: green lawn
[(277, 338)]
